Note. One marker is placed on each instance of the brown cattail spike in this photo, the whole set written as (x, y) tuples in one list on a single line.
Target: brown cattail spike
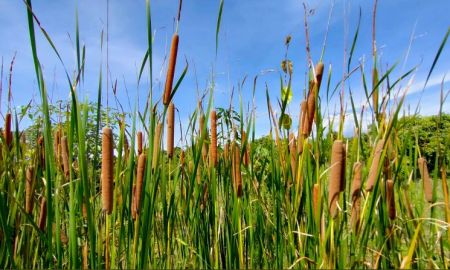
[(140, 180), (29, 190), (85, 257), (43, 214), (107, 170), (236, 167), (8, 133), (133, 203), (139, 142), (334, 187), (343, 164), (355, 194), (171, 69), (170, 129), (213, 146), (390, 198), (156, 145), (427, 181), (319, 74), (65, 155), (316, 193), (373, 172), (293, 154)]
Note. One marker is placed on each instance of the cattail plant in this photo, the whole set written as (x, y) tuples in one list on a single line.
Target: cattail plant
[(107, 170), (43, 214), (84, 257), (390, 198), (8, 133), (311, 99), (133, 203), (171, 69), (236, 168), (293, 154), (246, 157), (170, 129), (337, 171), (355, 194), (373, 172), (126, 147), (316, 194), (156, 145), (427, 182), (139, 142), (182, 159), (65, 156), (29, 190), (140, 180), (213, 145)]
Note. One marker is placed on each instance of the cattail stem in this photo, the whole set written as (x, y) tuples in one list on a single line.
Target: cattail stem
[(107, 170), (170, 129), (390, 198), (427, 182), (337, 171), (171, 69), (373, 172), (213, 145)]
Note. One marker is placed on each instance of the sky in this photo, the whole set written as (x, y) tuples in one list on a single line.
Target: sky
[(251, 43)]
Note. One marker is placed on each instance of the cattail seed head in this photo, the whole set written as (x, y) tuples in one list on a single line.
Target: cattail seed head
[(427, 181), (126, 147), (29, 190), (343, 165), (246, 157), (8, 133), (390, 198), (213, 146), (182, 159), (373, 172), (156, 145), (133, 203), (236, 167), (316, 193), (139, 142), (355, 194), (293, 154), (336, 173), (65, 155), (171, 69), (170, 129), (43, 214), (85, 257), (140, 180), (319, 74), (107, 170)]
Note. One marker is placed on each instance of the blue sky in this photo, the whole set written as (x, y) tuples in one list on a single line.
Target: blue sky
[(251, 42)]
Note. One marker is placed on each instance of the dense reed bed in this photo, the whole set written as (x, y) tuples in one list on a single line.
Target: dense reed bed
[(305, 196)]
